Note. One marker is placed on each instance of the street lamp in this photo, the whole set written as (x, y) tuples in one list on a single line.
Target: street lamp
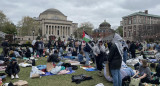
[(33, 34)]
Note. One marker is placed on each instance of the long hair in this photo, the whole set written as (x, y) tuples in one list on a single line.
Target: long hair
[(144, 63)]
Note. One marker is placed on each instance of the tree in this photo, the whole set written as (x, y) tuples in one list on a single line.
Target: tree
[(6, 26), (3, 20), (86, 26), (27, 25), (120, 31), (9, 28)]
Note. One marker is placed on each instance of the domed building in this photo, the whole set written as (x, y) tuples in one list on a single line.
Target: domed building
[(55, 23), (104, 31)]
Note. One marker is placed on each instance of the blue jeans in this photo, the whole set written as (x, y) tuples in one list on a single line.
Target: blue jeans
[(125, 56), (117, 81), (80, 57), (87, 57)]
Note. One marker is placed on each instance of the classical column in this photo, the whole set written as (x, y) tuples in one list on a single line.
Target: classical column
[(64, 30), (50, 29), (54, 30), (59, 30)]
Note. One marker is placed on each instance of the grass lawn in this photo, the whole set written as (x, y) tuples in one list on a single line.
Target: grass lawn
[(58, 80), (1, 49)]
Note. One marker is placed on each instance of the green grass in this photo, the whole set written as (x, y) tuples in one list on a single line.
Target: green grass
[(58, 80), (1, 49)]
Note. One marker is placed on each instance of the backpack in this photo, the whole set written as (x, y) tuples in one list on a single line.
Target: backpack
[(40, 46), (74, 67), (79, 78)]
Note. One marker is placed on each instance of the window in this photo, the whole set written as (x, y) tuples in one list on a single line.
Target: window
[(124, 34), (134, 32), (58, 32), (129, 34)]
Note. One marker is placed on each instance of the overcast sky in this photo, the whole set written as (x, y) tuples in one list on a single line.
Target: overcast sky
[(78, 11)]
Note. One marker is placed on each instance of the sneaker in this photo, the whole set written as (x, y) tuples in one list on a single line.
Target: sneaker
[(12, 77), (17, 76)]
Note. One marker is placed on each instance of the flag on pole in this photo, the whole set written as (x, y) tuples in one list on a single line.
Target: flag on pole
[(86, 37)]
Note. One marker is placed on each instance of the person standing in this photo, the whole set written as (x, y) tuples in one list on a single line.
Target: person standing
[(5, 47), (125, 54), (115, 60), (100, 58), (133, 50), (40, 48)]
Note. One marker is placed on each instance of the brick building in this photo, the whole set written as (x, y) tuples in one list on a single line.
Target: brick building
[(104, 30), (140, 26)]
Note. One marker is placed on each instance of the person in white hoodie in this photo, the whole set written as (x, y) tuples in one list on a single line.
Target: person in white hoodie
[(98, 56)]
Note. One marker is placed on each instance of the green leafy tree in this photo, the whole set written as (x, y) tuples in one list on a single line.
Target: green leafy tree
[(3, 20), (27, 25), (9, 28), (120, 30), (6, 26)]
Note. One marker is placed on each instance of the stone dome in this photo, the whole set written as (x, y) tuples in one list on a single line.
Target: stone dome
[(104, 24), (52, 14), (53, 11)]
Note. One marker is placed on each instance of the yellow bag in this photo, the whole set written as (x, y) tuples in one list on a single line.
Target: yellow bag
[(107, 69)]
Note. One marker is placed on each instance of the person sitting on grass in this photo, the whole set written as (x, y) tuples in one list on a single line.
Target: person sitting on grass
[(80, 56), (144, 72), (11, 54), (53, 57), (13, 69), (17, 53), (28, 53)]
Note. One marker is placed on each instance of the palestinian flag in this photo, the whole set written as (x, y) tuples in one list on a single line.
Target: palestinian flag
[(86, 37)]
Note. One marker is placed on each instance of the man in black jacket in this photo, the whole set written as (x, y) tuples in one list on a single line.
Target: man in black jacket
[(133, 50), (115, 60)]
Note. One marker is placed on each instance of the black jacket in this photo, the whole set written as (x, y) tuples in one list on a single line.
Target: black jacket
[(115, 59), (5, 44), (12, 66), (87, 48), (53, 58), (132, 47)]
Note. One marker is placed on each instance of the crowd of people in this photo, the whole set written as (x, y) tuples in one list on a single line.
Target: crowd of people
[(115, 52)]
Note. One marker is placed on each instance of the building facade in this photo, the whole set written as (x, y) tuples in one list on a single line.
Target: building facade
[(54, 22), (103, 31), (139, 26)]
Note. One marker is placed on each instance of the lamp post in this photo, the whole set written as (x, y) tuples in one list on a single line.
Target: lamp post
[(33, 34)]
